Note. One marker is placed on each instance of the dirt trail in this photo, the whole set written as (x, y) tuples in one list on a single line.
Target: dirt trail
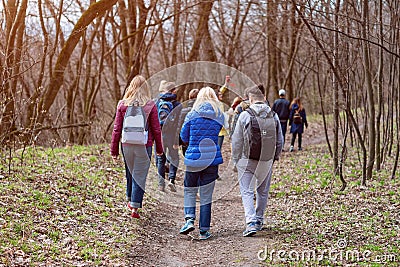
[(160, 244)]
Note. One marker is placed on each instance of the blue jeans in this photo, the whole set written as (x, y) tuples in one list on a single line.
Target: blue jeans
[(284, 128), (173, 158), (205, 181), (137, 161)]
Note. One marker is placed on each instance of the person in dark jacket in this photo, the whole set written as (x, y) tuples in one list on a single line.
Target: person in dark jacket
[(203, 155), (297, 121), (170, 136), (281, 107), (185, 110), (136, 157)]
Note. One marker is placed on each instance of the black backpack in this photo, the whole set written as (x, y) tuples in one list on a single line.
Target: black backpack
[(261, 134)]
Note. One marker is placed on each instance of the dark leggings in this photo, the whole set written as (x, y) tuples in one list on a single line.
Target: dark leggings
[(294, 139)]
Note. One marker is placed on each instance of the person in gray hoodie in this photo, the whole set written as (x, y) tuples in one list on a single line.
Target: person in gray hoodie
[(250, 168)]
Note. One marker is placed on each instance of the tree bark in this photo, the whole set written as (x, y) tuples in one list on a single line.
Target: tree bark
[(95, 10), (370, 93)]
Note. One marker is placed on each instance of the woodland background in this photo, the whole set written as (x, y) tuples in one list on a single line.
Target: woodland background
[(64, 64)]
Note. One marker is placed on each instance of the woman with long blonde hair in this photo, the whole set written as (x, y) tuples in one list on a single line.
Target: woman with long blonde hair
[(136, 156), (200, 131)]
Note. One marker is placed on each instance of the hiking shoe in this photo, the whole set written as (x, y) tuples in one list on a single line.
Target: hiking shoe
[(204, 235), (291, 149), (300, 149), (259, 226), (171, 186), (135, 215), (250, 229), (188, 227)]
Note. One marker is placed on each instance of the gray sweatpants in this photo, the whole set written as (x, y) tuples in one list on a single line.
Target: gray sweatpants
[(261, 171), (138, 162)]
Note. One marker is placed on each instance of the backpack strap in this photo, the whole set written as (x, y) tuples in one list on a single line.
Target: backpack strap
[(146, 121), (252, 116), (251, 111)]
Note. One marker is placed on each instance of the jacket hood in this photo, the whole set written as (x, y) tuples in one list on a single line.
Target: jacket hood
[(168, 96), (295, 106), (206, 110), (261, 109)]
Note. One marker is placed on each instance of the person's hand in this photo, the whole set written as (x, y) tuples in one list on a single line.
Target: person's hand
[(160, 154), (306, 125), (175, 146)]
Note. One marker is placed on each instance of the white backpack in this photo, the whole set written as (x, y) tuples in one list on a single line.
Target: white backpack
[(135, 128)]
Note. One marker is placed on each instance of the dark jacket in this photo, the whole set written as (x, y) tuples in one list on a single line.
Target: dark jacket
[(170, 130), (154, 127), (281, 107), (185, 110), (297, 128), (200, 130), (170, 97)]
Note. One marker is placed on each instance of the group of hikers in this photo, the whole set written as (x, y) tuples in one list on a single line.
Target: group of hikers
[(199, 127)]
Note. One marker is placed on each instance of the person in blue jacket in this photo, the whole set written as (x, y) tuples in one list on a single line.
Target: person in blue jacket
[(297, 121), (200, 130)]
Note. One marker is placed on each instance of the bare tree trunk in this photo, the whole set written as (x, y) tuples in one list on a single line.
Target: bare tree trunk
[(336, 63), (380, 92), (95, 10), (15, 28), (370, 93), (177, 20), (202, 29), (272, 80)]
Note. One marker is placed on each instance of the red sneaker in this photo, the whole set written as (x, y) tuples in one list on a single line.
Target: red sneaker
[(129, 206), (135, 215)]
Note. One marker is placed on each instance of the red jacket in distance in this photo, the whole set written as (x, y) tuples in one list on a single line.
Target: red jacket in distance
[(154, 127)]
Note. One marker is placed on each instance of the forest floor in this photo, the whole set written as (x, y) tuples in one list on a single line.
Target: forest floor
[(66, 207)]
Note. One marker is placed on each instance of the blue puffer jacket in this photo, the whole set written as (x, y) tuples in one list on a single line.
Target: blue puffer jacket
[(200, 129)]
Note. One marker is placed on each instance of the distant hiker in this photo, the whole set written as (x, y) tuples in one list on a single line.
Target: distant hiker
[(136, 111), (169, 110), (297, 121), (200, 130), (185, 110), (281, 107), (256, 144), (225, 127), (233, 113)]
